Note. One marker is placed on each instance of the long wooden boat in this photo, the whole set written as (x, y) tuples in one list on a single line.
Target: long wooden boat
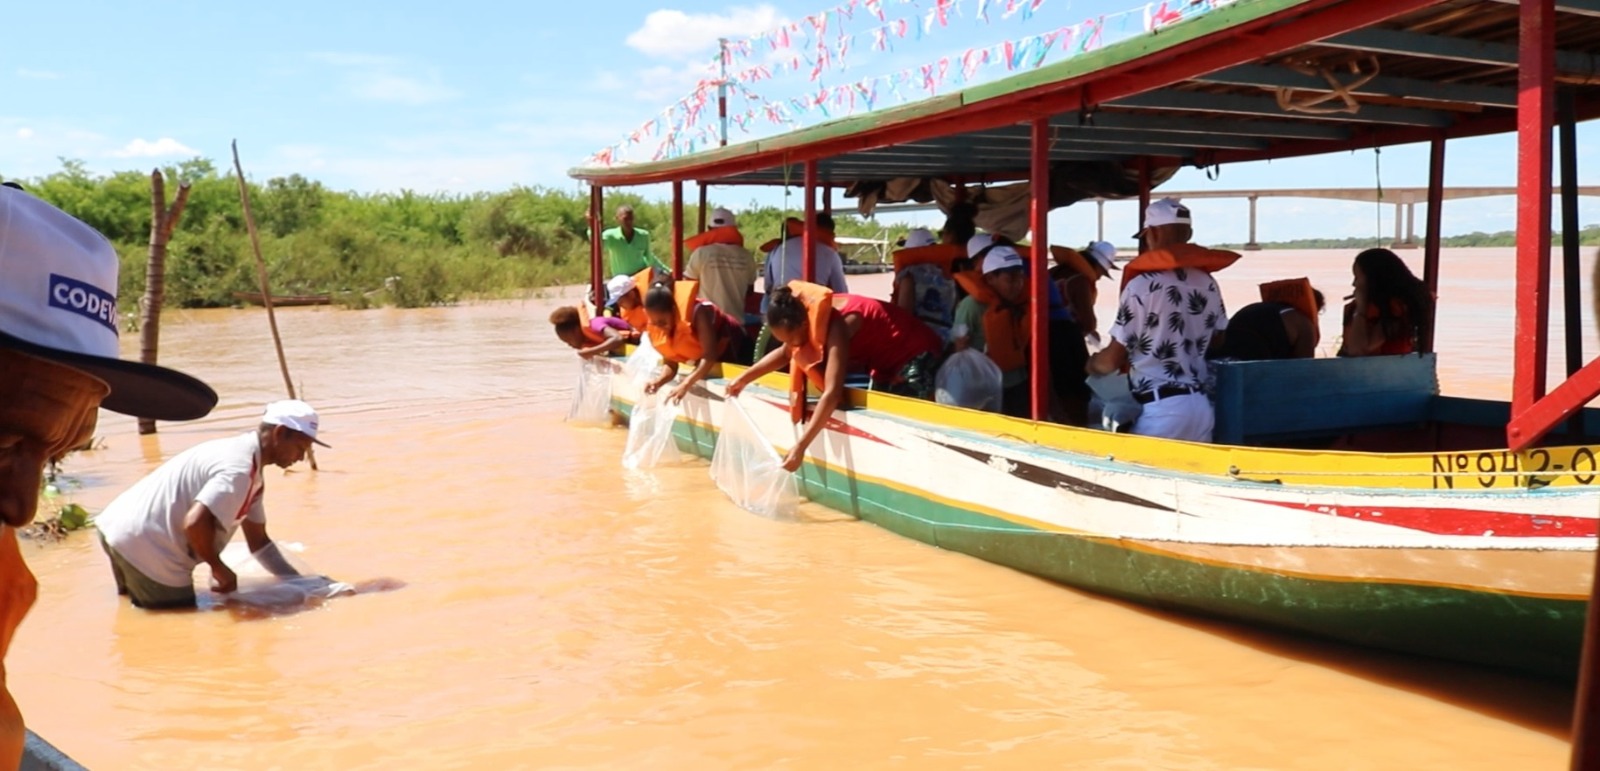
[(1448, 527)]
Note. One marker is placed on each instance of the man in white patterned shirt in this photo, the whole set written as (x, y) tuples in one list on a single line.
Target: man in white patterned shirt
[(1168, 315)]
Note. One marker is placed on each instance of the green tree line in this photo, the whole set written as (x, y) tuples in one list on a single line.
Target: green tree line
[(406, 248)]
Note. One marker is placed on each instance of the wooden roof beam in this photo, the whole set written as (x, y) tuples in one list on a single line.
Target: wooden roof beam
[(1401, 43), (1575, 7), (1382, 85), (1236, 105)]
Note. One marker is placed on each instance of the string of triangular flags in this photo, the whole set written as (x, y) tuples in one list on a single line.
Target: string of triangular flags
[(682, 129)]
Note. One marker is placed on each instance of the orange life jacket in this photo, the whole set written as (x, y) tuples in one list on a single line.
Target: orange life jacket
[(727, 234), (593, 337), (636, 317), (941, 255), (682, 345), (1178, 256), (1293, 292), (805, 361), (1006, 332)]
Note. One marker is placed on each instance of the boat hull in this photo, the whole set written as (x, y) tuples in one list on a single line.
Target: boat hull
[(1289, 557)]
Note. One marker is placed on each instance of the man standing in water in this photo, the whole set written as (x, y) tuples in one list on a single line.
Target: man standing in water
[(58, 364), (183, 513)]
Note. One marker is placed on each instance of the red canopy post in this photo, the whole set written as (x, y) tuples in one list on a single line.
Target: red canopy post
[(1535, 116), (677, 229), (1038, 271), (596, 248), (808, 242), (1431, 239)]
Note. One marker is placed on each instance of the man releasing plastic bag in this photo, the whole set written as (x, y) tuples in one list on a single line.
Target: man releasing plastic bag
[(591, 398), (260, 587), (748, 469)]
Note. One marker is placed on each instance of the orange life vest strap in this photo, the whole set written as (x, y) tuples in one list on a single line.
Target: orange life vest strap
[(727, 234), (941, 255), (1178, 256)]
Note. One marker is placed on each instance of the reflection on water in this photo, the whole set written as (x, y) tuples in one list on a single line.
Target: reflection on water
[(559, 612)]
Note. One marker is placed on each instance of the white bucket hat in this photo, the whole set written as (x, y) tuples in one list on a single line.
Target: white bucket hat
[(58, 301), (1102, 255)]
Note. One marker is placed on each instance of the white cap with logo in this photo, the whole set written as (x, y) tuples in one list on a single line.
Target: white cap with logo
[(722, 218), (1166, 211), (1001, 258), (294, 415), (58, 301), (920, 237)]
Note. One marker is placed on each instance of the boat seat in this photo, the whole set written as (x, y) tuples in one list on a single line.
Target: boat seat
[(1258, 402)]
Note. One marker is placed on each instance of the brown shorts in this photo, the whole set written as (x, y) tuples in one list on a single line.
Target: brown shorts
[(144, 591)]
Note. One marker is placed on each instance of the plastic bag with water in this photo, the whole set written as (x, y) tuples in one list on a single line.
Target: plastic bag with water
[(969, 378), (259, 587), (591, 397), (749, 470), (644, 363), (650, 440)]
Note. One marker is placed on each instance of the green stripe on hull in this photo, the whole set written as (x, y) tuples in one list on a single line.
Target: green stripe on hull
[(1538, 635)]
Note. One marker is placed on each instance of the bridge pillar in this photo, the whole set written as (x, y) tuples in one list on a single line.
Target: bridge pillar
[(1399, 220), (1100, 229), (1252, 246), (1411, 226)]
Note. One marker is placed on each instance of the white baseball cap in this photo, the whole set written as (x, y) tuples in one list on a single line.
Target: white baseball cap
[(58, 301), (919, 237), (1166, 211), (618, 286), (1103, 255), (978, 243), (1001, 258), (722, 218), (295, 415)]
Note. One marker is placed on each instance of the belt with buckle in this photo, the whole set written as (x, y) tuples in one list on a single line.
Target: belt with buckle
[(1164, 392)]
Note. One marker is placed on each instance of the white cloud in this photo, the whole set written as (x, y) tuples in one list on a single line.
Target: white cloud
[(24, 133), (23, 72), (376, 78), (671, 33), (163, 147), (387, 87)]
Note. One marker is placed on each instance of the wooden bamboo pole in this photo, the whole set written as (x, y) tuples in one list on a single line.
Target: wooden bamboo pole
[(266, 288), (163, 219)]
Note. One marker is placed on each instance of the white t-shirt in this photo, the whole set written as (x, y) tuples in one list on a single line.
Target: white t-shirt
[(785, 264), (1166, 319), (145, 523)]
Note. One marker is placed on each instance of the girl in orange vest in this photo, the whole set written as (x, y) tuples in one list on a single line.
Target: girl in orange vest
[(591, 336), (1390, 310), (824, 335), (685, 328)]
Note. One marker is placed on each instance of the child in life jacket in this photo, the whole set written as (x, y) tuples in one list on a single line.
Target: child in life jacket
[(597, 336), (684, 328), (824, 335)]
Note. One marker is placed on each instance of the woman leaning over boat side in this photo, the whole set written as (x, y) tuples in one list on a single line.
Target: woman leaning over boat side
[(824, 335), (1389, 312), (684, 328)]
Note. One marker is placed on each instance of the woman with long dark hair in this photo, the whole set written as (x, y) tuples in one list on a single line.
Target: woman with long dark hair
[(1390, 310)]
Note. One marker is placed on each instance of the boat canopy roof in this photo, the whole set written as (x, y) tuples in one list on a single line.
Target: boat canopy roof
[(1255, 80)]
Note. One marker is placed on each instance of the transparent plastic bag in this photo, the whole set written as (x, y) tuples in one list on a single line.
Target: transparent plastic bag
[(643, 364), (969, 378), (650, 441), (259, 587), (1118, 409), (591, 396), (749, 470)]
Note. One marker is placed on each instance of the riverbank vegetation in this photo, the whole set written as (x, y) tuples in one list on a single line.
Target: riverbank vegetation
[(1588, 236), (405, 249)]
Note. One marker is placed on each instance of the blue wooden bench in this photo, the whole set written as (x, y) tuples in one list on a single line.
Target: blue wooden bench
[(1260, 402)]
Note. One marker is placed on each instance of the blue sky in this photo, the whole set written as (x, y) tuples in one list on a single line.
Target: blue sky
[(471, 96)]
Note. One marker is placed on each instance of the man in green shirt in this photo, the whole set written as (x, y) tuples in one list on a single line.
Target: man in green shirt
[(628, 247)]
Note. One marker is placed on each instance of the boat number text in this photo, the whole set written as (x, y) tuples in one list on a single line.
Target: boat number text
[(1532, 468)]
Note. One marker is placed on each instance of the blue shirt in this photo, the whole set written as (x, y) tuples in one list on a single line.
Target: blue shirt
[(784, 265)]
